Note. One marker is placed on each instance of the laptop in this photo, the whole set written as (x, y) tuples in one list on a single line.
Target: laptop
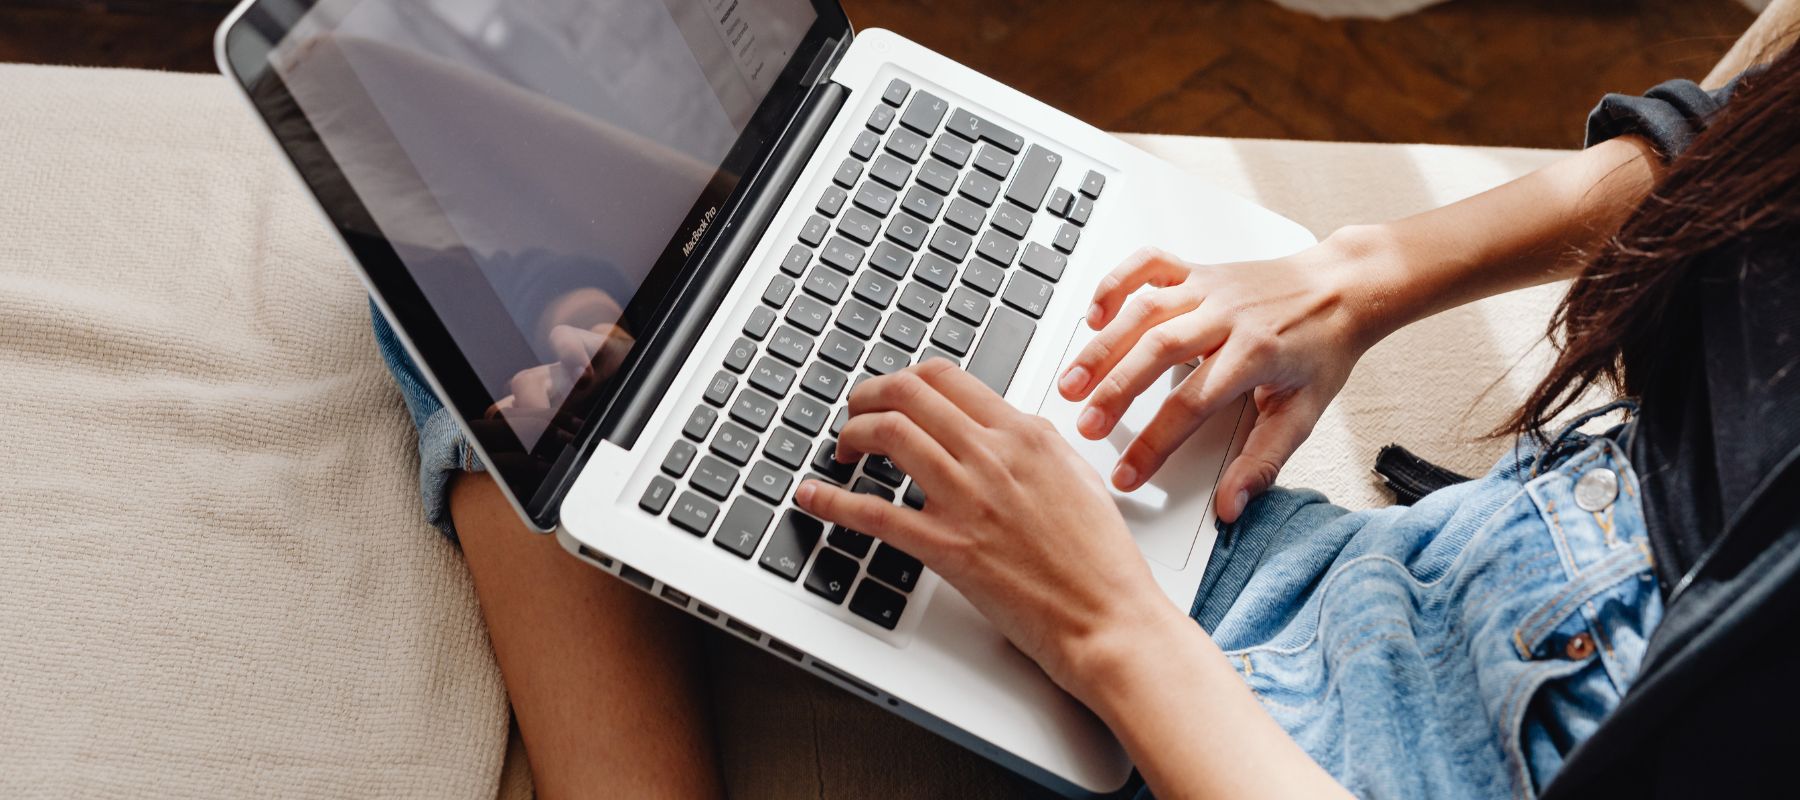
[(644, 250)]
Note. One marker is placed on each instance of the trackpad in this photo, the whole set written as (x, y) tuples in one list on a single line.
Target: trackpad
[(1168, 513)]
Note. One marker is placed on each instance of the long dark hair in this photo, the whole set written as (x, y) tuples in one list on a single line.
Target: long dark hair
[(1632, 311)]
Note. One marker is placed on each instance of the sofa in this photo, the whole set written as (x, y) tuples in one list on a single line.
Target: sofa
[(215, 579)]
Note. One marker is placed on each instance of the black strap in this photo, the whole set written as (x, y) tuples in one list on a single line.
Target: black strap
[(1410, 477)]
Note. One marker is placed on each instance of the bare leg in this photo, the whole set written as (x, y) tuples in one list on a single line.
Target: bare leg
[(607, 684)]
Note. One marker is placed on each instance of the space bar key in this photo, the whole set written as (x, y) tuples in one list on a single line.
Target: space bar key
[(1002, 345)]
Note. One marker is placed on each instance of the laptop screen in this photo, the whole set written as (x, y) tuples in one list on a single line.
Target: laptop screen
[(535, 163)]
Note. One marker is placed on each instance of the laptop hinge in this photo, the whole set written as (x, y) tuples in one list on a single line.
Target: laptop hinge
[(820, 70)]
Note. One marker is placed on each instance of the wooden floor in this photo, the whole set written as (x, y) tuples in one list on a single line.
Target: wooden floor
[(1503, 72)]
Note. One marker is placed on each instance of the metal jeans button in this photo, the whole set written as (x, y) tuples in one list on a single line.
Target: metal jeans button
[(1596, 489), (1580, 646)]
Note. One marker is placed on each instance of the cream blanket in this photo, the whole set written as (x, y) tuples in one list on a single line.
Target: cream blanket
[(214, 577)]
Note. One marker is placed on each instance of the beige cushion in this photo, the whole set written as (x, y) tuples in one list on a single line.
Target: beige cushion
[(217, 581)]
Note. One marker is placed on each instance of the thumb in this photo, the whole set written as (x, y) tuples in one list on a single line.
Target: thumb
[(1277, 434)]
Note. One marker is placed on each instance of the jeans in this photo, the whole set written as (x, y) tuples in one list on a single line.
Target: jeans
[(443, 450), (1459, 647)]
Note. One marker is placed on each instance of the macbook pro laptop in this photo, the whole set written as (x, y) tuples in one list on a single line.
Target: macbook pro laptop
[(644, 250)]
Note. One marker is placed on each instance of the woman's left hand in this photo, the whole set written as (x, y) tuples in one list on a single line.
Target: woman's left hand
[(1014, 519)]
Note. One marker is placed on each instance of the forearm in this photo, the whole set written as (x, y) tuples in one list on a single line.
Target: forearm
[(1772, 32), (1533, 230), (1190, 722)]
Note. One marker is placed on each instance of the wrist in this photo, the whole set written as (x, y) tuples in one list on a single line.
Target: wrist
[(1108, 666), (1365, 267)]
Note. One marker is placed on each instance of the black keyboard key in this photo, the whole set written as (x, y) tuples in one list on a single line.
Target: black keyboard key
[(826, 464), (935, 272), (780, 289), (884, 359), (875, 289), (1066, 238), (953, 335), (825, 381), (895, 567), (925, 113), (1011, 218), (980, 188), (859, 226), (1028, 293), (813, 232), (994, 161), (754, 408), (985, 276), (831, 575), (1084, 208), (865, 144), (787, 448), (841, 349), (1092, 184), (908, 230), (848, 174), (896, 91), (904, 331), (744, 527), (795, 261), (1002, 345), (1036, 169), (854, 542), (914, 496), (880, 119), (826, 284), (772, 376), (967, 305), (843, 414), (954, 150), (809, 315), (842, 254), (1060, 201), (656, 497), (806, 414), (714, 477), (975, 128), (700, 423), (907, 145), (920, 301), (859, 319), (923, 202), (790, 345), (878, 604), (998, 247), (733, 443), (876, 199), (882, 468), (891, 171), (758, 325), (789, 545), (890, 259), (951, 243), (938, 176), (769, 482), (831, 201), (694, 514), (1044, 261), (930, 353), (680, 457), (964, 214), (719, 389)]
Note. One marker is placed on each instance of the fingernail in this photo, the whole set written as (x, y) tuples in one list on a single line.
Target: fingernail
[(1125, 476), (804, 494), (1074, 380), (1091, 422), (1094, 313), (1243, 499)]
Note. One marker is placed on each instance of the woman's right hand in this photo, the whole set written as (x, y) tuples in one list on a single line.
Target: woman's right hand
[(1287, 330)]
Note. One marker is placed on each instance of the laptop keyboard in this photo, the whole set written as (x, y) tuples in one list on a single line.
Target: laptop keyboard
[(927, 244)]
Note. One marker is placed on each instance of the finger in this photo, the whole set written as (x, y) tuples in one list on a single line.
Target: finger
[(908, 393), (1146, 266), (597, 351), (1271, 443), (1143, 313), (1217, 381), (905, 528), (532, 388), (976, 399), (916, 453), (1173, 342)]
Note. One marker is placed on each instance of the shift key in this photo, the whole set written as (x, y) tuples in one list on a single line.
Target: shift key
[(1001, 348), (1036, 169)]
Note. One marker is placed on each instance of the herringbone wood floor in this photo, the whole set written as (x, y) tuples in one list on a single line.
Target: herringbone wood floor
[(1504, 72)]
